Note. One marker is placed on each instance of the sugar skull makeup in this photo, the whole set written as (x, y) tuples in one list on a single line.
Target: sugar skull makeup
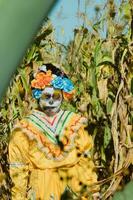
[(50, 100), (50, 86)]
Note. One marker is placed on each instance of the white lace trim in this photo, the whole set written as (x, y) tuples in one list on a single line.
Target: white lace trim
[(44, 149)]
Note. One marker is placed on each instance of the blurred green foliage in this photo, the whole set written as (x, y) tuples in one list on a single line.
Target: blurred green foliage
[(126, 194), (19, 22)]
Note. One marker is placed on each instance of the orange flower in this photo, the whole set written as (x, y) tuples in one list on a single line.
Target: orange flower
[(42, 79), (40, 76), (68, 96), (37, 84)]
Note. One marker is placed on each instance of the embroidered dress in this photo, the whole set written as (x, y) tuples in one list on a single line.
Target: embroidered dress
[(49, 154)]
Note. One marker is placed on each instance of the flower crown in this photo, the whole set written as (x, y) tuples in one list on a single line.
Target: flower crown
[(45, 78)]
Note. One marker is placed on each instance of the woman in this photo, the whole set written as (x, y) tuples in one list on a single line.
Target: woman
[(49, 150)]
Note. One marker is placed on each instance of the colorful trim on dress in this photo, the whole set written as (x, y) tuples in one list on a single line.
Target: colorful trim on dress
[(51, 130), (55, 135)]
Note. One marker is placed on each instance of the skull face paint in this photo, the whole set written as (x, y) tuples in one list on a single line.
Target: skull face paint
[(50, 100)]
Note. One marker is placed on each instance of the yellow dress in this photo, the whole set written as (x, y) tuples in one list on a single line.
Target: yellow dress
[(48, 155)]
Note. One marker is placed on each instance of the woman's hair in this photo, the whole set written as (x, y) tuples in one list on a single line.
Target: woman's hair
[(55, 70)]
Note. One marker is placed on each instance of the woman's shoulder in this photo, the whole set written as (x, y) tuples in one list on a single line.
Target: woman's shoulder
[(77, 120), (17, 134)]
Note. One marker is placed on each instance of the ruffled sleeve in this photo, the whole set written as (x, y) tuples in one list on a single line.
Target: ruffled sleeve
[(83, 177), (18, 160)]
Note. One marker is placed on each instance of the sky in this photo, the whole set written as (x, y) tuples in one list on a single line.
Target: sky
[(66, 15)]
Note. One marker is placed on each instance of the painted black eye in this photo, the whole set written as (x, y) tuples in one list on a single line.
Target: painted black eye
[(46, 96), (56, 96)]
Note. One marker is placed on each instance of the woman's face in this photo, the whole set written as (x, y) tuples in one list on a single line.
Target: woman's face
[(50, 100)]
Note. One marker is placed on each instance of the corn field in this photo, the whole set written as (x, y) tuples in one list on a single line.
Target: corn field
[(101, 68)]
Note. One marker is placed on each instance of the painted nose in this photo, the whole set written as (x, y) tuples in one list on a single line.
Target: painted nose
[(51, 102)]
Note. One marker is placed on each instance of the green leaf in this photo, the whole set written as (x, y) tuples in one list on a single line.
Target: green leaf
[(97, 53), (96, 26), (109, 105), (107, 58), (31, 54), (24, 80), (103, 154), (125, 10), (107, 136)]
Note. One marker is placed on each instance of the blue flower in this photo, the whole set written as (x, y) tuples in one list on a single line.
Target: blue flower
[(58, 83), (67, 85), (63, 84), (36, 93)]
